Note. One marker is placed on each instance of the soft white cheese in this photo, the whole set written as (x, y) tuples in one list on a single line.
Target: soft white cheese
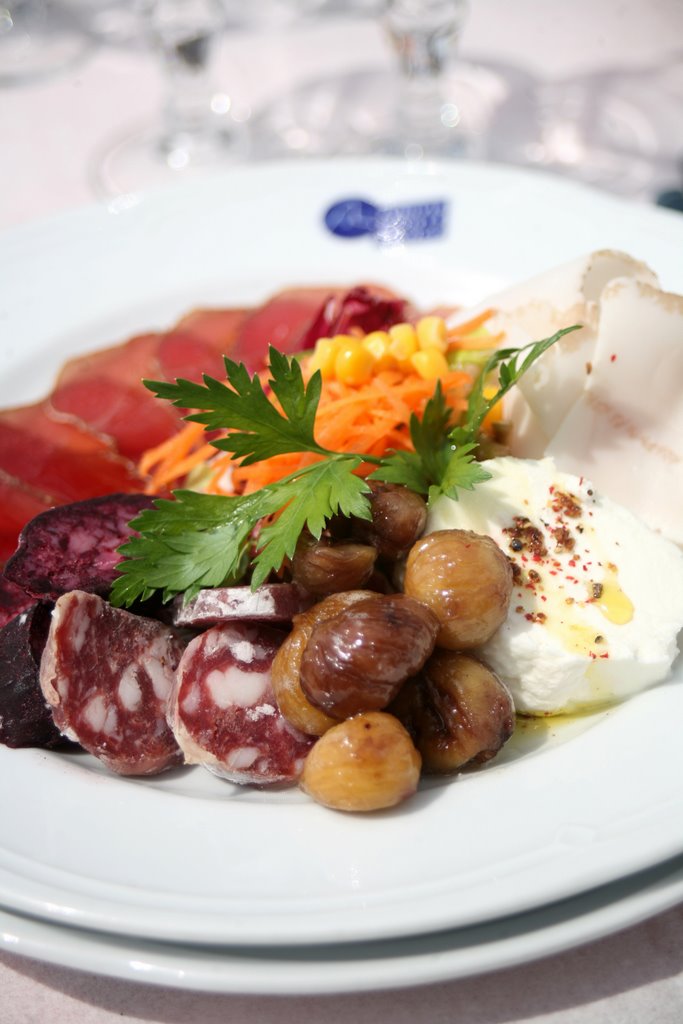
[(598, 598)]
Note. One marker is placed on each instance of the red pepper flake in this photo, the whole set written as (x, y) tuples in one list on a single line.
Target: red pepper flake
[(604, 655), (613, 358), (572, 562)]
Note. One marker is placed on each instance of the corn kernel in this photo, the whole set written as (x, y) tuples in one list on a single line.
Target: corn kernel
[(353, 363), (323, 357), (431, 333), (429, 363), (403, 344), (493, 415), (377, 343)]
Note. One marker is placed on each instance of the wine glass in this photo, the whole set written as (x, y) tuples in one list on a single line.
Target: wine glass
[(198, 127), (620, 130), (429, 103), (35, 41), (111, 22)]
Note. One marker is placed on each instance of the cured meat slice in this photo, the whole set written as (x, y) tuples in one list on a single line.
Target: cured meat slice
[(272, 602), (60, 457), (74, 547), (25, 719), (217, 327), (224, 712), (13, 600), (127, 413), (108, 675), (182, 354), (282, 321), (127, 362), (18, 504)]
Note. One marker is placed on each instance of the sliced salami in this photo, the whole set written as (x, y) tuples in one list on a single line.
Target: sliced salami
[(224, 714), (74, 547), (108, 676), (25, 718), (272, 602)]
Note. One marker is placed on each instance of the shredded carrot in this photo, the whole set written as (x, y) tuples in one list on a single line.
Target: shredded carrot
[(460, 336), (469, 326), (371, 418), (176, 447)]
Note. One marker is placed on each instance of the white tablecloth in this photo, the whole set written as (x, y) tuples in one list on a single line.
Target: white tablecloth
[(49, 132)]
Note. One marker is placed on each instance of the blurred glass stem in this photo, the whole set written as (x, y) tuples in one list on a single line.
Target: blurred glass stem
[(183, 32), (425, 35)]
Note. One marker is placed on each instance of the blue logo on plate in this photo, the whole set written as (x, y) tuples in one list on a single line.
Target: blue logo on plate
[(353, 218)]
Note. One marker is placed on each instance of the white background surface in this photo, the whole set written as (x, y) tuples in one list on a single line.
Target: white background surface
[(47, 134)]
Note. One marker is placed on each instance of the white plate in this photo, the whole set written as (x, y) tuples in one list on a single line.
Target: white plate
[(190, 859), (358, 967)]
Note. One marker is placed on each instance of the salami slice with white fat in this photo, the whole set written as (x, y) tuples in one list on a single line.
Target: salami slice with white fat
[(224, 714), (272, 602), (108, 676)]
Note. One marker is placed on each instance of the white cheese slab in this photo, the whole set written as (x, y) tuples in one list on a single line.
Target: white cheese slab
[(537, 308), (598, 598), (625, 430)]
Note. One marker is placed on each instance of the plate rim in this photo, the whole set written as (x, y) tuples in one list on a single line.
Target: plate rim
[(437, 958)]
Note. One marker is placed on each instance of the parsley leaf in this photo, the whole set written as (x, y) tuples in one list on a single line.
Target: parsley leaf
[(309, 498), (257, 429), (461, 472), (195, 541), (436, 466), (510, 370), (204, 540)]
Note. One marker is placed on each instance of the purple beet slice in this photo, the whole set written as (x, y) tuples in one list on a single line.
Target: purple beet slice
[(25, 719), (13, 600), (74, 547)]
